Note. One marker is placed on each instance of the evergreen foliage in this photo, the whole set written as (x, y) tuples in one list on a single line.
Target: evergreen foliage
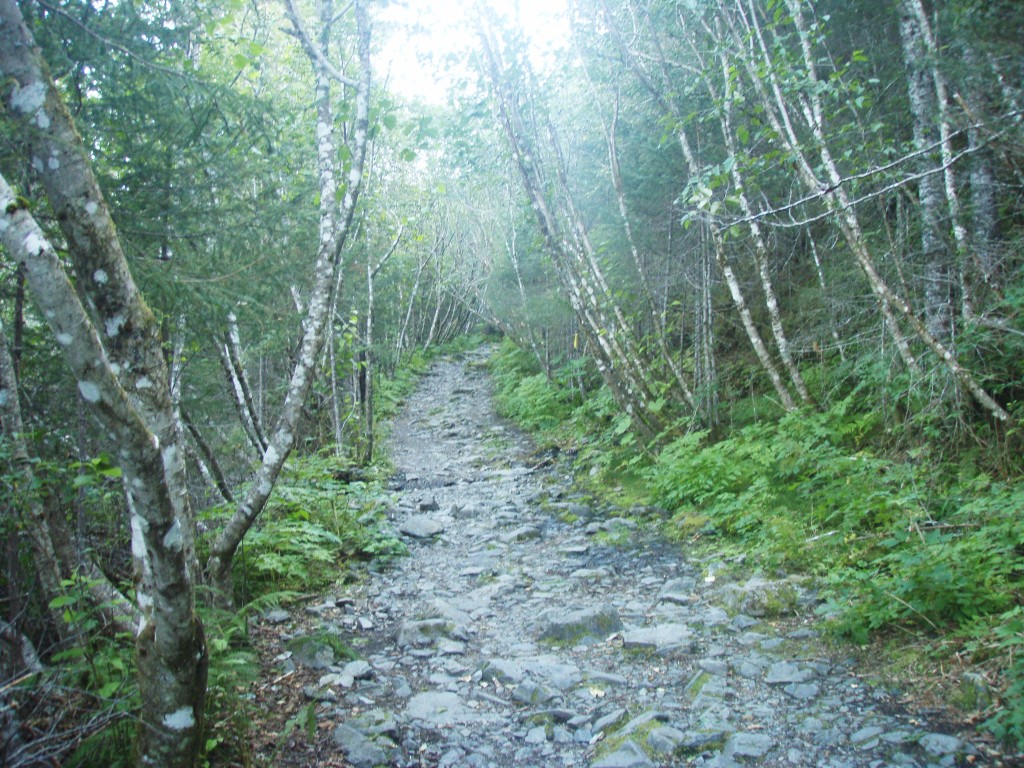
[(779, 295)]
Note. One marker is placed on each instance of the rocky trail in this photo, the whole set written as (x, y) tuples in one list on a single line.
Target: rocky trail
[(529, 628)]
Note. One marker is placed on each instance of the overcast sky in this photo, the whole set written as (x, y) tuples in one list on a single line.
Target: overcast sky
[(424, 40)]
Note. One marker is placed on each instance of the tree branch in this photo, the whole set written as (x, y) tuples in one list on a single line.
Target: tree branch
[(311, 50)]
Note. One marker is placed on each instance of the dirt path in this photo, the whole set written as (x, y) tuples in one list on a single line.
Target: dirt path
[(529, 629)]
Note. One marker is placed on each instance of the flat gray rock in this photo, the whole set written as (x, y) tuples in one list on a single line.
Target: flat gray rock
[(359, 750), (748, 745), (803, 691), (529, 692), (661, 638), (423, 633), (522, 533), (665, 739), (313, 651), (573, 626), (421, 527), (940, 744), (680, 591), (610, 720), (629, 755), (442, 709), (786, 672), (506, 671), (276, 616)]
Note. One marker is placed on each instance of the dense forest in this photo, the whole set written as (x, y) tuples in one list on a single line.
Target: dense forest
[(756, 264)]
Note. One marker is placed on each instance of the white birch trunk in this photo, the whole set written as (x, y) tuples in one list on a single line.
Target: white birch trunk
[(113, 349), (335, 226), (936, 257), (837, 200), (736, 292)]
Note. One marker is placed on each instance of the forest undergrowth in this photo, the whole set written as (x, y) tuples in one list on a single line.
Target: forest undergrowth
[(916, 542), (323, 526)]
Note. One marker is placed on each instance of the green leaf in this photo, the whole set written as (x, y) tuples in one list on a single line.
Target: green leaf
[(108, 690)]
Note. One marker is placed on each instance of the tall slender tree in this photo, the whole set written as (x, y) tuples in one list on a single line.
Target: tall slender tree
[(111, 342)]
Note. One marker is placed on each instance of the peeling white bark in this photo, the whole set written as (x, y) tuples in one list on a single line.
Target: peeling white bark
[(335, 227), (171, 650)]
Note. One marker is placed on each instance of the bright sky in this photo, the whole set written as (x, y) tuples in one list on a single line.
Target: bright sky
[(427, 40)]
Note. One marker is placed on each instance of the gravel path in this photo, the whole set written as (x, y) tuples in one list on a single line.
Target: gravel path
[(529, 629)]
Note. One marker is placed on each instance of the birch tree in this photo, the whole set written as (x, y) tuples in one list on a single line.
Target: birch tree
[(111, 342), (539, 157), (755, 59), (336, 221)]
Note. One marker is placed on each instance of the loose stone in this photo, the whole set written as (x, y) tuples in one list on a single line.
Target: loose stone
[(509, 639)]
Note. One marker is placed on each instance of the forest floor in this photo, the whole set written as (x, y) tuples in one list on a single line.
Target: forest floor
[(533, 627)]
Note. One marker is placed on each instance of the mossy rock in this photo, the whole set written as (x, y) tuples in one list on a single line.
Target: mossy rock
[(570, 628), (320, 650)]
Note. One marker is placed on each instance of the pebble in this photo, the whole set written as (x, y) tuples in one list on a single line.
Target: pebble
[(534, 628)]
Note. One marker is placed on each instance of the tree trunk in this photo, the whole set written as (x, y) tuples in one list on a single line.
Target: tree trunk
[(736, 292), (335, 227), (232, 351), (838, 202), (132, 405), (936, 260), (721, 256), (569, 247)]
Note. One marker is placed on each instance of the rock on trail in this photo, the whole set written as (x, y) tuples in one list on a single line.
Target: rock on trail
[(525, 629)]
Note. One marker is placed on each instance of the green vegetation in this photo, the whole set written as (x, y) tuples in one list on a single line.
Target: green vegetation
[(902, 540), (316, 526), (762, 264)]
